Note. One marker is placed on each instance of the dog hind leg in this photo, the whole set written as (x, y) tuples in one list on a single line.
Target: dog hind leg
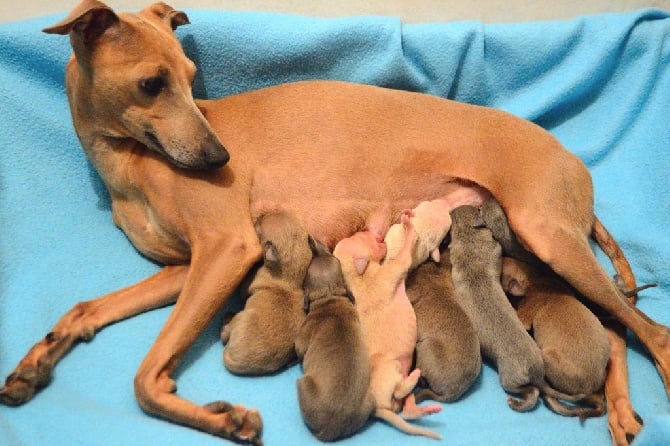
[(568, 253)]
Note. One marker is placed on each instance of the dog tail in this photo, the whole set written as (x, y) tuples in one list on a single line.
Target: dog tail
[(596, 403), (395, 420), (611, 248)]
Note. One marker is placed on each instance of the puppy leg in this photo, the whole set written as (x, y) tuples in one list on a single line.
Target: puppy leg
[(81, 323)]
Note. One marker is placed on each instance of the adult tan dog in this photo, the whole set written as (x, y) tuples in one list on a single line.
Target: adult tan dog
[(378, 151)]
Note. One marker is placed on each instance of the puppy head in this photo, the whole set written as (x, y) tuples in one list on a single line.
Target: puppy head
[(516, 276), (359, 250), (466, 218), (432, 215), (324, 279), (285, 243)]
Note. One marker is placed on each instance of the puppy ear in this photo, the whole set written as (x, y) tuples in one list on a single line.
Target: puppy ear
[(318, 248), (479, 222), (88, 21), (270, 254), (168, 14), (361, 265), (305, 301), (435, 255), (515, 288)]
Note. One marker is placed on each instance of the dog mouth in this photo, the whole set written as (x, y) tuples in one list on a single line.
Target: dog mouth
[(155, 145)]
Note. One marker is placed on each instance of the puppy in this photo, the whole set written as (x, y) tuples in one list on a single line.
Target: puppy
[(260, 339), (495, 219), (431, 220), (476, 267), (447, 349), (389, 324), (333, 394), (573, 342)]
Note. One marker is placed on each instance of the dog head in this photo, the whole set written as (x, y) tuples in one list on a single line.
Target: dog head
[(129, 78)]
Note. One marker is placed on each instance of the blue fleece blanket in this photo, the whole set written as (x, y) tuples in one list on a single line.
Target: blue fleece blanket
[(600, 83)]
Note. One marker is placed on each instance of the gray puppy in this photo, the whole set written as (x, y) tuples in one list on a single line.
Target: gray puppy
[(476, 266), (574, 344), (495, 219), (447, 348), (260, 339), (334, 392)]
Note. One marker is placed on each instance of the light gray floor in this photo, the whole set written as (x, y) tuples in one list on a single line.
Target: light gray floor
[(490, 11)]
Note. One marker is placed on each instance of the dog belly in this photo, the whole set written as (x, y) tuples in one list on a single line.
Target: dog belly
[(330, 214)]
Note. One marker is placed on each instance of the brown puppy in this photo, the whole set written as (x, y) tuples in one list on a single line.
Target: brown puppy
[(260, 338), (574, 344), (476, 266), (333, 394), (389, 324), (447, 348), (379, 151)]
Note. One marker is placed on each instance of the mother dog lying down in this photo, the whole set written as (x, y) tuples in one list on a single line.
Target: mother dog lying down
[(341, 157)]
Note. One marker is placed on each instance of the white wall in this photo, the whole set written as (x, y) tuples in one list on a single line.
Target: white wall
[(491, 11)]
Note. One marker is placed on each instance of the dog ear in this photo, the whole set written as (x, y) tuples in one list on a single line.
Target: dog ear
[(361, 265), (168, 14), (89, 20)]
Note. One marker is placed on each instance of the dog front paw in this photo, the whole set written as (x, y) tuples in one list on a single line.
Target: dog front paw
[(22, 384), (237, 423)]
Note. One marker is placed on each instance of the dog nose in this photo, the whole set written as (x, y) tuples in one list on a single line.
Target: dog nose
[(216, 156)]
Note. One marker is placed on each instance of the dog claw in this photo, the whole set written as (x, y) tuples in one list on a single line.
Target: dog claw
[(20, 386), (16, 393), (244, 425)]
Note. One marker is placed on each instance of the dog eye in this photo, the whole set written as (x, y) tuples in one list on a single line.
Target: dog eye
[(152, 86)]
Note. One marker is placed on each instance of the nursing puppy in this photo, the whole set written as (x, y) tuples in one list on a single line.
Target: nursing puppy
[(495, 219), (431, 221), (574, 344), (388, 321), (447, 349), (260, 339), (333, 394), (476, 267)]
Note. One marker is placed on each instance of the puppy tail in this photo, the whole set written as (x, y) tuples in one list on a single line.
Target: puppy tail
[(395, 420), (612, 249), (596, 403), (528, 400)]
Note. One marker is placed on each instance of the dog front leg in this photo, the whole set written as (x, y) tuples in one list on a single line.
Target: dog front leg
[(214, 274), (81, 323)]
